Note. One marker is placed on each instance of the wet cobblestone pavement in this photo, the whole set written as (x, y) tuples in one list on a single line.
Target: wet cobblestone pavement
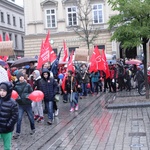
[(93, 127)]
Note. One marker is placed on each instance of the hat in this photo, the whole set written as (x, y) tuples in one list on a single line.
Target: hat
[(20, 74), (3, 86)]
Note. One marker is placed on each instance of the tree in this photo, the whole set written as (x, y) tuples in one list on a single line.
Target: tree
[(132, 26), (86, 29)]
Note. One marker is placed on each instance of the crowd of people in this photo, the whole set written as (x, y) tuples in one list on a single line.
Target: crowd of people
[(73, 86)]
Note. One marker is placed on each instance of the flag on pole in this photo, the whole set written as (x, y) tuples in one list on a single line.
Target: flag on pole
[(65, 52), (70, 63), (107, 71), (51, 55), (7, 37)]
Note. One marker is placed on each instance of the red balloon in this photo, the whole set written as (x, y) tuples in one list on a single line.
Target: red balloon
[(14, 95), (36, 96)]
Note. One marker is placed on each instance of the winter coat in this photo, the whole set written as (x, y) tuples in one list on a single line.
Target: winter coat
[(8, 111), (84, 76), (23, 89), (70, 84), (48, 86), (95, 76)]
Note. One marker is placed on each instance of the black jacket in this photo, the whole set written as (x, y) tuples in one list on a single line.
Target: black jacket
[(48, 86), (23, 89), (8, 111)]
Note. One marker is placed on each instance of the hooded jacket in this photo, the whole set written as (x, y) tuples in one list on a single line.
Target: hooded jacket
[(8, 111), (48, 86), (36, 83)]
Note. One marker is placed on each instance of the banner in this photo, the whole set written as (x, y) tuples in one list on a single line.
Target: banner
[(6, 48)]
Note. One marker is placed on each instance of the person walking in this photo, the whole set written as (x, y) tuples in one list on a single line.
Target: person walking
[(37, 106), (49, 87), (71, 90), (23, 89), (8, 114)]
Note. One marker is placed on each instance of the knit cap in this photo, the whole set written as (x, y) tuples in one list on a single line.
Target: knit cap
[(20, 74), (3, 86)]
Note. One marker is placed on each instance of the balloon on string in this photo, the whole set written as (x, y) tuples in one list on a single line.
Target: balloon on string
[(60, 76), (36, 96), (14, 95)]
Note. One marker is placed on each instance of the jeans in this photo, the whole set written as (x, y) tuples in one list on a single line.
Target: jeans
[(49, 106), (28, 110), (73, 99), (84, 89)]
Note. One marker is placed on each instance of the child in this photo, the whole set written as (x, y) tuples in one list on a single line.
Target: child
[(23, 89), (37, 106), (71, 90), (8, 114)]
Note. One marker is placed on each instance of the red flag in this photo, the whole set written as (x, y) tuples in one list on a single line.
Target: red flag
[(43, 57), (5, 58), (92, 63), (46, 53), (98, 58), (0, 38), (7, 37), (70, 63), (63, 82), (51, 55), (107, 71), (65, 52)]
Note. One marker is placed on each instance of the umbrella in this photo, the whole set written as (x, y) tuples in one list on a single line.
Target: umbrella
[(133, 62), (23, 61), (2, 62)]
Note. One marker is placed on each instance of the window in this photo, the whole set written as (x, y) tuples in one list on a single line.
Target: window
[(14, 21), (21, 23), (72, 49), (2, 17), (97, 13), (101, 47), (8, 18), (16, 42), (72, 16), (10, 36), (51, 18), (4, 36), (22, 40)]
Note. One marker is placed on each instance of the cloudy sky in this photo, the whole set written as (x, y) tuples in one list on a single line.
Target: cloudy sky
[(19, 2)]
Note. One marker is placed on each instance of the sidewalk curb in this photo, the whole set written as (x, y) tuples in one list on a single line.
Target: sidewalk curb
[(128, 105)]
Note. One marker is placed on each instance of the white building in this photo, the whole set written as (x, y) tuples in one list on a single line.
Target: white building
[(12, 23), (58, 16)]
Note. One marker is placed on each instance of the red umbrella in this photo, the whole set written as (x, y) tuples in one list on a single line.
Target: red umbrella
[(133, 62)]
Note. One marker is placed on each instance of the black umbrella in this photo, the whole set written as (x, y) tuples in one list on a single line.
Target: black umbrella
[(23, 61)]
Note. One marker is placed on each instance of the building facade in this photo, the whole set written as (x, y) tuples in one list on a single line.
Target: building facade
[(58, 16), (12, 24)]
